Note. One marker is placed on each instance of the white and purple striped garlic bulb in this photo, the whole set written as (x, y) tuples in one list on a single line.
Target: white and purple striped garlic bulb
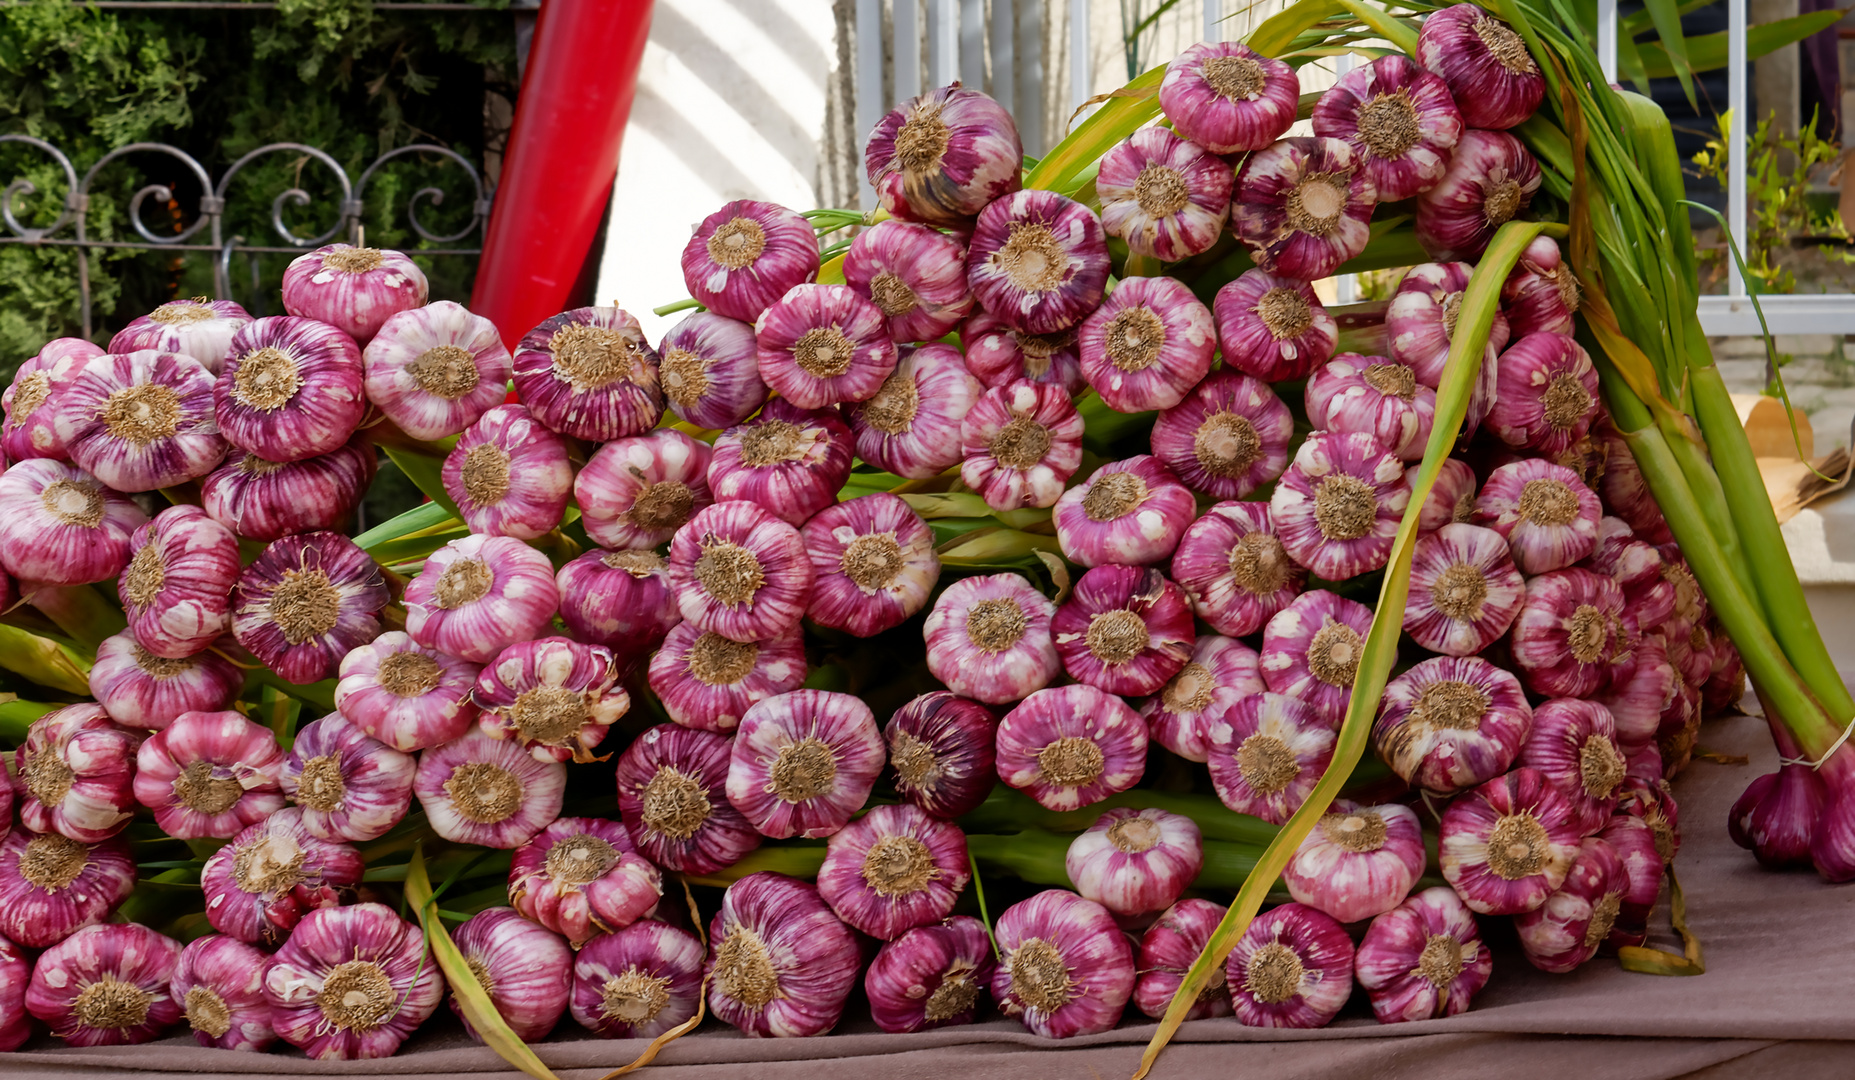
[(259, 886), (1508, 844), (525, 970), (140, 421), (1634, 842), (1020, 444), (1147, 345), (352, 983), (146, 692), (356, 289), (509, 475), (1486, 64), (1546, 395), (942, 157), (914, 275), (1398, 118), (931, 976), (61, 526), (1421, 322), (802, 763), (1311, 651), (1464, 590), (199, 328), (1424, 959), (1167, 198), (1293, 968), (823, 344), (580, 877), (1124, 629), (266, 500), (894, 869), (1542, 294), (1573, 744), (27, 430), (476, 596), (1227, 438), (350, 786), (1133, 862), (1577, 918), (875, 562), (740, 571), (1229, 98), (708, 682), (746, 255), (478, 789), (435, 370), (1267, 754), (589, 374), (1547, 514), (638, 983), (1038, 261), (943, 750), (75, 775), (620, 600), (1167, 950), (290, 388), (305, 602), (911, 427), (998, 355), (1221, 672), (1302, 207), (1129, 512), (672, 795), (1451, 498), (106, 986), (1575, 636), (1359, 862), (52, 886), (405, 695), (636, 492), (219, 985), (1065, 968), (1491, 180), (780, 963), (1376, 396), (1452, 723), (1726, 681), (1071, 746), (1234, 568), (554, 697), (209, 774), (1339, 504), (710, 368), (789, 460), (1636, 701), (1273, 327), (1637, 568), (989, 638)]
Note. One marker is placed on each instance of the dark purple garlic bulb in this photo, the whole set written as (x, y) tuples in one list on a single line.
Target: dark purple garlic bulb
[(746, 255), (1038, 261), (1485, 62), (589, 374), (941, 158), (941, 751), (1399, 119), (1302, 207)]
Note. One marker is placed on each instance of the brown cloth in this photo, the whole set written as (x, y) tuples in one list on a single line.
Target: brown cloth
[(1774, 1002)]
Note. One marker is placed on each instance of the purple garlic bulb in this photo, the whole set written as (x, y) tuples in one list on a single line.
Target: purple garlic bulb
[(1424, 959), (780, 963), (589, 374), (219, 983), (998, 355), (1491, 180), (802, 763), (199, 328), (352, 982), (140, 421), (1508, 844), (259, 886), (638, 983), (710, 369), (146, 692), (1451, 498), (1634, 842), (1464, 590), (524, 969), (636, 492), (875, 561), (1165, 197), (914, 275), (290, 388), (1546, 396), (1398, 118), (1021, 443), (672, 795), (1302, 207), (1234, 568), (1227, 438), (478, 789), (1065, 968), (1267, 755), (305, 602), (791, 461), (1777, 816), (989, 638), (555, 698), (824, 344), (1125, 630), (1372, 395), (477, 596), (1359, 862), (1167, 951), (1311, 650), (209, 774), (75, 775), (1135, 861), (27, 431), (894, 869), (1547, 514), (509, 475), (1542, 295), (1452, 723), (1420, 325), (177, 588), (266, 500), (1228, 98), (941, 158), (740, 571), (1293, 968), (1038, 261), (707, 682), (354, 288), (620, 600), (1221, 672), (1486, 64), (52, 886), (580, 877), (1575, 920), (1574, 637), (1147, 345), (106, 986), (1273, 328), (1574, 746), (1071, 746), (407, 696), (911, 427), (746, 255), (931, 976), (61, 526), (1338, 507), (435, 370), (351, 787), (942, 750), (1637, 700)]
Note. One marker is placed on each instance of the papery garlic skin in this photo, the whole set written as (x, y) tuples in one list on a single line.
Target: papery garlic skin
[(911, 427), (931, 976), (1147, 345), (1038, 261), (875, 561), (1167, 951), (476, 596), (1491, 180), (589, 374), (1547, 514), (209, 774), (636, 492), (707, 682), (823, 344), (1229, 98), (672, 795), (1293, 968), (1423, 960), (355, 288), (1451, 723), (746, 255), (1338, 506), (525, 970), (509, 475), (1065, 968), (620, 600), (638, 983), (1359, 862), (219, 985), (710, 369), (1398, 118), (478, 789), (435, 370), (407, 696), (75, 775), (52, 886), (265, 500), (1574, 636), (350, 786), (789, 460), (1267, 754), (1302, 206), (894, 869), (1542, 294), (1574, 745), (1575, 920), (1273, 327), (106, 986), (1464, 590), (290, 388), (1227, 437), (942, 157), (802, 763), (1486, 64), (556, 698), (259, 886), (1164, 196), (1546, 397), (914, 275), (1234, 568), (989, 638), (28, 431), (305, 602), (1372, 395), (140, 421), (199, 328), (61, 526), (1221, 672), (146, 692), (942, 751), (580, 877), (339, 955), (740, 571), (1311, 651), (1135, 861), (1071, 746), (780, 963), (998, 355), (1021, 443), (1508, 844), (1125, 630)]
